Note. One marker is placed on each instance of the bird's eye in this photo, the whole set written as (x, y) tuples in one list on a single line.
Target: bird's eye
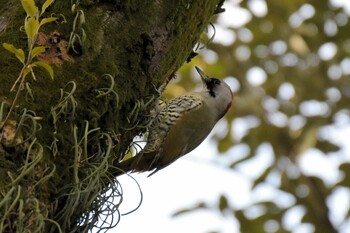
[(217, 81)]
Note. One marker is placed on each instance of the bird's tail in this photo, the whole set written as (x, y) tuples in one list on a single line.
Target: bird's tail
[(142, 162), (123, 167)]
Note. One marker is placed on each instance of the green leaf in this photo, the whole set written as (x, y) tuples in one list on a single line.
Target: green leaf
[(46, 4), (18, 52), (31, 27), (46, 66), (223, 203), (37, 50), (30, 7), (26, 71), (200, 205), (81, 17), (47, 20), (345, 170)]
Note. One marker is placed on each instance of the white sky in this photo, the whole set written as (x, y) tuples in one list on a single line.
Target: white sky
[(196, 177)]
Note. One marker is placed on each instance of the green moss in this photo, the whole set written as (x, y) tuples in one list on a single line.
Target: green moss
[(80, 130)]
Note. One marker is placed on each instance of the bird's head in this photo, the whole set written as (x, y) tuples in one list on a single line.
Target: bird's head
[(217, 91)]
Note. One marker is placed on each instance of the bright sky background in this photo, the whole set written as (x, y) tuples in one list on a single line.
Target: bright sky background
[(199, 177)]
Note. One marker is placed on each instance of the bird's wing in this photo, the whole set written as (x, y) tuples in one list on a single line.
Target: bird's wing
[(148, 158), (167, 117)]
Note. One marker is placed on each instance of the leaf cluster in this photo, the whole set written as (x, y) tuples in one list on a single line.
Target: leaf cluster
[(32, 24)]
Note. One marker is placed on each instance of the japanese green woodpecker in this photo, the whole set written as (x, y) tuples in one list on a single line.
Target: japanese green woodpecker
[(181, 125)]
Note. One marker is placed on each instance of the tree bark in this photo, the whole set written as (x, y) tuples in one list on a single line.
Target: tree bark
[(62, 142)]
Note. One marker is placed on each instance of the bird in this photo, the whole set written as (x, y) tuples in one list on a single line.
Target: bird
[(181, 126)]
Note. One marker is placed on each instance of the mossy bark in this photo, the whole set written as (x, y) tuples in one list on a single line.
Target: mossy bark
[(65, 137)]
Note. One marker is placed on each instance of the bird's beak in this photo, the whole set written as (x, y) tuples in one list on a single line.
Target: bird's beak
[(202, 74)]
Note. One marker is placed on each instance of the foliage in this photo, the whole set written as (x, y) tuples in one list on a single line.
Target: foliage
[(289, 65), (32, 25), (79, 20)]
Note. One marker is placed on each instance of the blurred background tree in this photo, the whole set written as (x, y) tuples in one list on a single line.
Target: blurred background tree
[(289, 64)]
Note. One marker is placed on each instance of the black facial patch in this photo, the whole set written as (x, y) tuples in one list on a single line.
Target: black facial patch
[(211, 83)]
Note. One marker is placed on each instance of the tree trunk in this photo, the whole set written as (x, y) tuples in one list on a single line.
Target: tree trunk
[(64, 137)]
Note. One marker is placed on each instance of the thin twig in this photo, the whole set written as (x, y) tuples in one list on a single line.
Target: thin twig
[(13, 104)]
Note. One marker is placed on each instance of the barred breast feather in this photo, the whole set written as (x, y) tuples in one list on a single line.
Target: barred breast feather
[(167, 117)]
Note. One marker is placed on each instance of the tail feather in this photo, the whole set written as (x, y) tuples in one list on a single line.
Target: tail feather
[(142, 162)]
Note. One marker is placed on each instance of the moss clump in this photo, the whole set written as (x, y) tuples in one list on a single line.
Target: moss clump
[(76, 128)]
